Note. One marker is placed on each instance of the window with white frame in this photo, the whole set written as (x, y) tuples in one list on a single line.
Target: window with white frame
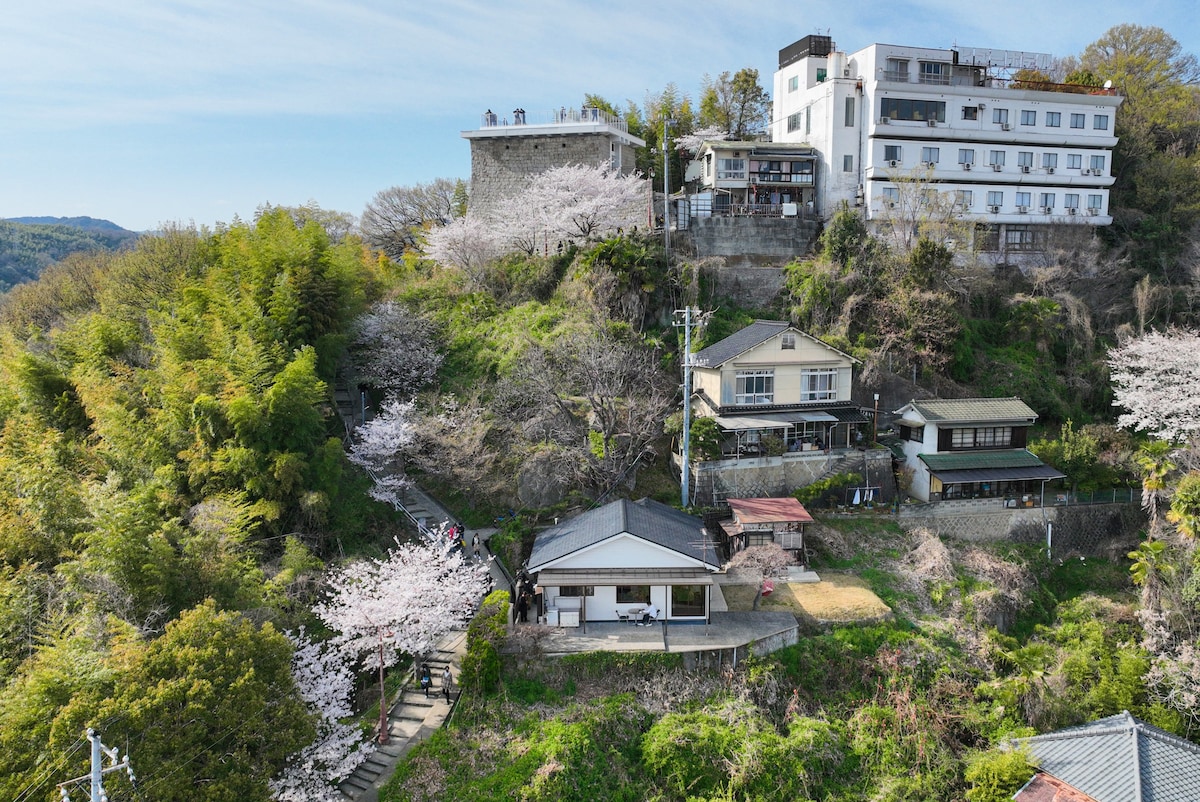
[(793, 83), (755, 387), (1100, 122), (1028, 117), (1049, 161), (818, 384), (963, 199), (892, 153), (1023, 198), (930, 155), (849, 118), (1071, 200), (1074, 161), (1053, 119), (1000, 116), (995, 197), (794, 121), (1047, 200), (996, 157), (982, 437), (966, 155), (891, 196), (934, 72), (1025, 158), (787, 341), (733, 169), (848, 163), (1095, 201), (1097, 163), (1078, 120)]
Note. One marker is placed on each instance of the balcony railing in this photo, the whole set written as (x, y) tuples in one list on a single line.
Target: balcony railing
[(896, 76), (586, 115)]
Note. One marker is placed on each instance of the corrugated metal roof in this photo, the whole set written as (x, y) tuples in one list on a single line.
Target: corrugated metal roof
[(1120, 759), (972, 410), (969, 460), (768, 510), (645, 519)]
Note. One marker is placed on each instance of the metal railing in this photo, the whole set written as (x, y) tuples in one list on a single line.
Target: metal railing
[(588, 115)]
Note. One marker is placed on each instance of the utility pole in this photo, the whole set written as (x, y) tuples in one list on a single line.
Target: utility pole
[(95, 778), (666, 193), (685, 474)]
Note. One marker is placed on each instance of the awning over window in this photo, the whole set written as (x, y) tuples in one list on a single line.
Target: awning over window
[(1008, 465), (566, 578)]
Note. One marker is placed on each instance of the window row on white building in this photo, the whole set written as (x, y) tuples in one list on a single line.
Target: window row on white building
[(994, 159)]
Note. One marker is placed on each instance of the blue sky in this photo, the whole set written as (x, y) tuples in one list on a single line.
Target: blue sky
[(152, 111)]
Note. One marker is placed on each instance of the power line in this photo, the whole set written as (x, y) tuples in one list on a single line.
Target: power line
[(95, 778)]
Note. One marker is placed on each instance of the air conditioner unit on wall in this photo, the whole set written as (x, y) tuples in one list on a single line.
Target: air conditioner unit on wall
[(1072, 210), (1093, 210), (894, 163), (884, 120), (997, 167), (931, 123), (993, 209), (1047, 209), (966, 165), (982, 106), (929, 165), (1050, 170), (1022, 209), (1024, 168), (1005, 127)]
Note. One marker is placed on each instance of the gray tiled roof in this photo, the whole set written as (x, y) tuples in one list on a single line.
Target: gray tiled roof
[(646, 519), (1121, 759), (739, 342), (744, 339), (970, 410)]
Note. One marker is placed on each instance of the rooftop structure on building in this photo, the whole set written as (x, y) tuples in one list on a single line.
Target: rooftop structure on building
[(507, 150), (981, 128)]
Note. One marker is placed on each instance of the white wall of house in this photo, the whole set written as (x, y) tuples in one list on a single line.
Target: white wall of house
[(602, 605), (972, 121)]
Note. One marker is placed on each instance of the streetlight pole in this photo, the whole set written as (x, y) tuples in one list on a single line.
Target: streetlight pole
[(875, 421)]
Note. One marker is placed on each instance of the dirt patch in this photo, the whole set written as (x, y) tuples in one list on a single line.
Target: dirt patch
[(837, 598)]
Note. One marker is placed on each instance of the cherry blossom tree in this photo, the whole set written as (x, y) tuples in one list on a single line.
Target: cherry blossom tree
[(395, 350), (403, 603), (691, 143), (325, 683), (378, 446), (1156, 377), (583, 203), (468, 243)]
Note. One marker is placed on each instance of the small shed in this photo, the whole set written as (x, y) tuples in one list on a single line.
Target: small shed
[(758, 521)]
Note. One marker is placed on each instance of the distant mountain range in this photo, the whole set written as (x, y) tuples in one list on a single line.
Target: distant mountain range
[(28, 245)]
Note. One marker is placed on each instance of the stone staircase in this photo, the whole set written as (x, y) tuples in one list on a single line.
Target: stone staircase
[(412, 718)]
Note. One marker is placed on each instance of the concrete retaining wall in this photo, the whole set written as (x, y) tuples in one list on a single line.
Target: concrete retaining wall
[(1092, 529)]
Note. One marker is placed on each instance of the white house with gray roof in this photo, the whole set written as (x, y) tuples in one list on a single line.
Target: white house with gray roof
[(1115, 759), (616, 559), (972, 448)]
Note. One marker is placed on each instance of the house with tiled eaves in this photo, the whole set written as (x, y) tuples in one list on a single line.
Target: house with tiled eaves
[(972, 448), (1115, 759)]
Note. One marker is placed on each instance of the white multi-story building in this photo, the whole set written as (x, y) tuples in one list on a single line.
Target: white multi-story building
[(1012, 157)]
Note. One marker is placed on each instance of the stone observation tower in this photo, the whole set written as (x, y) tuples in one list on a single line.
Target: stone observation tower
[(507, 150)]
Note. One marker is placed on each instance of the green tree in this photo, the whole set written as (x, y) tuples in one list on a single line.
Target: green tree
[(209, 705), (1185, 506), (736, 104), (998, 774)]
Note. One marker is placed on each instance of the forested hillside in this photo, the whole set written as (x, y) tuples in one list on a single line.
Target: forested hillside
[(30, 244)]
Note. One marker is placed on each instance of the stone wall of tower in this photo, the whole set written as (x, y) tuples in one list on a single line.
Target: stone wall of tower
[(501, 166)]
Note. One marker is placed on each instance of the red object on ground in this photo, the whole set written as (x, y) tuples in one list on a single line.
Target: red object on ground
[(768, 587)]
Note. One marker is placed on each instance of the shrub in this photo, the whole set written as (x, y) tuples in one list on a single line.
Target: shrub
[(998, 774), (485, 635)]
